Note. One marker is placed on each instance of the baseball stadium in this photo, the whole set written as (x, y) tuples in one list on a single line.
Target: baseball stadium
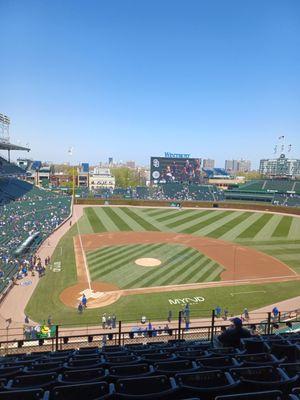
[(168, 265)]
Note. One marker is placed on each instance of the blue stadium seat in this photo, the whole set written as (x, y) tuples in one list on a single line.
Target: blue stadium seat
[(211, 363), (171, 368), (263, 378), (43, 381), (82, 376), (88, 391), (207, 385), (266, 395), (147, 388), (129, 371), (24, 394), (259, 359)]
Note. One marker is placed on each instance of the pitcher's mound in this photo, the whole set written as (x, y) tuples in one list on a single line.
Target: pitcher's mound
[(148, 262)]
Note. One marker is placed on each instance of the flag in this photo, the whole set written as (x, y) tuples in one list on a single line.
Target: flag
[(281, 137)]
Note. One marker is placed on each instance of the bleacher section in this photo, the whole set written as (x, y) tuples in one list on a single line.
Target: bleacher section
[(278, 185), (9, 169), (167, 191), (263, 368), (26, 210), (288, 200)]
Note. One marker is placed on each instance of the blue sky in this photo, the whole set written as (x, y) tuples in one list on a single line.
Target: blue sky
[(135, 78)]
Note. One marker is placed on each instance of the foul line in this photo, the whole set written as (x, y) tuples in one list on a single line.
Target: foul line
[(83, 254)]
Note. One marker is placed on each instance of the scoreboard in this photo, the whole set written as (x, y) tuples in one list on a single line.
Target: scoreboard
[(170, 169)]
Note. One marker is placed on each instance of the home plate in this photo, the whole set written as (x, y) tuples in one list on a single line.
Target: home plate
[(90, 294)]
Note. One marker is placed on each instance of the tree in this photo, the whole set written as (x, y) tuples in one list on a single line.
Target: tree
[(126, 177)]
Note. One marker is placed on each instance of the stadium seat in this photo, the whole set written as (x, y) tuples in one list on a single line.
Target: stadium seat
[(170, 368), (154, 357), (118, 360), (40, 368), (147, 388), (290, 352), (266, 395), (190, 355), (211, 363), (88, 391), (255, 345), (10, 372), (263, 378), (207, 385), (24, 394), (82, 376), (259, 359), (129, 371), (43, 381), (292, 370), (84, 364)]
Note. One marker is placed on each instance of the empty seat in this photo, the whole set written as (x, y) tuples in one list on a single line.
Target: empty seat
[(84, 364), (24, 394), (170, 368), (87, 391), (255, 345), (262, 378), (10, 372), (153, 357), (207, 385), (118, 360), (82, 376), (152, 387), (40, 368), (43, 381), (129, 371), (191, 355), (218, 362), (287, 351), (292, 370), (259, 359), (266, 395)]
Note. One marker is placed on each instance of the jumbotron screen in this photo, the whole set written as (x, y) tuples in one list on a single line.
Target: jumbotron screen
[(167, 170)]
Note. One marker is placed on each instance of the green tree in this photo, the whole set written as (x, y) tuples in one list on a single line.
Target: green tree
[(126, 177)]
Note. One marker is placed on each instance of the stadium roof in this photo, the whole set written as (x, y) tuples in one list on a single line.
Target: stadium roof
[(10, 146)]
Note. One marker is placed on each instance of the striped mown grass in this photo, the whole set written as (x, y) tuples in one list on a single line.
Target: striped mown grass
[(179, 264)]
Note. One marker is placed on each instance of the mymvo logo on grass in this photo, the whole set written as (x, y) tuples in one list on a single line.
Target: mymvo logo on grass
[(185, 300)]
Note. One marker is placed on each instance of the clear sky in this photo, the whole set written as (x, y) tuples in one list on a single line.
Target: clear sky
[(135, 78)]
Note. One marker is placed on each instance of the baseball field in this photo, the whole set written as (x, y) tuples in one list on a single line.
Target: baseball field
[(135, 261)]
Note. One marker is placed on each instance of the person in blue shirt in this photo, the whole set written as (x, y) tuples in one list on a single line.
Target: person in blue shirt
[(84, 301)]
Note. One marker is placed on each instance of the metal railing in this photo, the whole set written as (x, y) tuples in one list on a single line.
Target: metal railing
[(16, 340)]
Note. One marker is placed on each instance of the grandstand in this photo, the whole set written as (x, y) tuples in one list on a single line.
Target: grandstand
[(264, 367), (274, 185)]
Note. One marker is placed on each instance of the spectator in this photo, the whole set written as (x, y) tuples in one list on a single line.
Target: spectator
[(84, 300), (218, 311), (232, 336), (103, 321), (80, 308)]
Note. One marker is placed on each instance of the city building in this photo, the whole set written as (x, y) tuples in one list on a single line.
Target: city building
[(101, 178), (208, 163), (280, 167), (130, 164), (234, 166)]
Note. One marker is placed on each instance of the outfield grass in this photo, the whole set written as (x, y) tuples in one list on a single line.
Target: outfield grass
[(277, 235)]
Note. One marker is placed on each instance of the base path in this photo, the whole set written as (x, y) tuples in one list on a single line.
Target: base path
[(241, 264)]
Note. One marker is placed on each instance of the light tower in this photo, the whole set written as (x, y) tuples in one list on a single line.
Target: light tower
[(4, 128)]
